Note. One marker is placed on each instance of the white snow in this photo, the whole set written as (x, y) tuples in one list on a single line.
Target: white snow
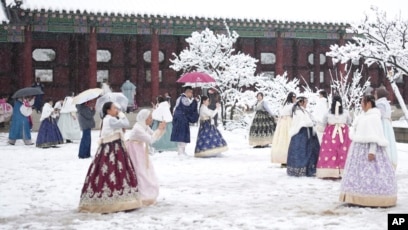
[(400, 124), (3, 15), (40, 189), (288, 10)]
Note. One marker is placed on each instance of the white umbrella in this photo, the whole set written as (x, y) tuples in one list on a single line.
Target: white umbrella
[(117, 98), (87, 95)]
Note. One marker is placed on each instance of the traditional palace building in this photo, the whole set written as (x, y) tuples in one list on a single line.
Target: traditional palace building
[(72, 50)]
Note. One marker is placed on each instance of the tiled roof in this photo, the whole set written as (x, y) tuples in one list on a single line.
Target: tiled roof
[(220, 9)]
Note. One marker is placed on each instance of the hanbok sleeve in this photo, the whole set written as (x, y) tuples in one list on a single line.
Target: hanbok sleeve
[(372, 148), (348, 119), (74, 115), (120, 123), (383, 109), (205, 111), (325, 120), (47, 111), (267, 108), (144, 135)]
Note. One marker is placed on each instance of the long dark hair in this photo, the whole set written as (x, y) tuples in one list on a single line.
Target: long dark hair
[(48, 100), (289, 98), (297, 104), (160, 99), (382, 92), (336, 99), (369, 98), (323, 94), (107, 106), (204, 98)]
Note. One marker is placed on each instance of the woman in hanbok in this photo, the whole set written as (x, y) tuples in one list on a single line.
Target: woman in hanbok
[(304, 145), (281, 139), (137, 144), (319, 112), (6, 111), (161, 114), (20, 122), (68, 121), (58, 107), (385, 108), (110, 184), (369, 177), (263, 124), (49, 134), (335, 142), (210, 142)]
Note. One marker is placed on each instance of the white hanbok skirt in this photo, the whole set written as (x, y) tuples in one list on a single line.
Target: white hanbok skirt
[(69, 127)]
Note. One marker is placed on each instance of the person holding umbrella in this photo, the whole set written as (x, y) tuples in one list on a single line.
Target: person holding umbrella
[(20, 125), (22, 110), (86, 113), (85, 104), (185, 112)]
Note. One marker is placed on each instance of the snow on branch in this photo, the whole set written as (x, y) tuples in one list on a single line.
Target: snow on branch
[(351, 91), (377, 40), (380, 40)]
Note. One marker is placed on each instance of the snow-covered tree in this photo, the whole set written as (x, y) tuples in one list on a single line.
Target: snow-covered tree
[(215, 55), (378, 40), (276, 90), (351, 91)]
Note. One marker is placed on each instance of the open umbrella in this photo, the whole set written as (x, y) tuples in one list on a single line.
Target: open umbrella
[(197, 79), (118, 98), (87, 95), (26, 92)]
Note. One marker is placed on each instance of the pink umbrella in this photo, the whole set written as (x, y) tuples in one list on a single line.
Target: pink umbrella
[(197, 79)]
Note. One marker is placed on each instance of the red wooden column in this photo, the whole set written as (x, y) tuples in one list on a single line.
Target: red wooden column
[(316, 62), (92, 65), (27, 57), (155, 65), (279, 55), (341, 67)]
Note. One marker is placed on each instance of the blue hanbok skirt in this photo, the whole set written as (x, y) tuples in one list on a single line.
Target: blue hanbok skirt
[(164, 143), (303, 153), (392, 144), (209, 141), (49, 134)]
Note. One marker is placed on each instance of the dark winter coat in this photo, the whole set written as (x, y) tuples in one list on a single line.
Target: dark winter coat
[(183, 116), (85, 117)]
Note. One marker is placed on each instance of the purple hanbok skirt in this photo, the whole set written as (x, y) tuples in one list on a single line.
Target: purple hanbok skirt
[(368, 183)]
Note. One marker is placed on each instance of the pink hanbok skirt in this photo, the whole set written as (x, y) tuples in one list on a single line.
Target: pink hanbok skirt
[(148, 184), (333, 152)]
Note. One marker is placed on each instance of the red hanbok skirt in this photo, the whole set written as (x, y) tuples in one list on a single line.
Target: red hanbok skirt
[(110, 184)]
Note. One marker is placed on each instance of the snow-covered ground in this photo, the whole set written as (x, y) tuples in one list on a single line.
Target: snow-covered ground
[(40, 189), (400, 124)]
